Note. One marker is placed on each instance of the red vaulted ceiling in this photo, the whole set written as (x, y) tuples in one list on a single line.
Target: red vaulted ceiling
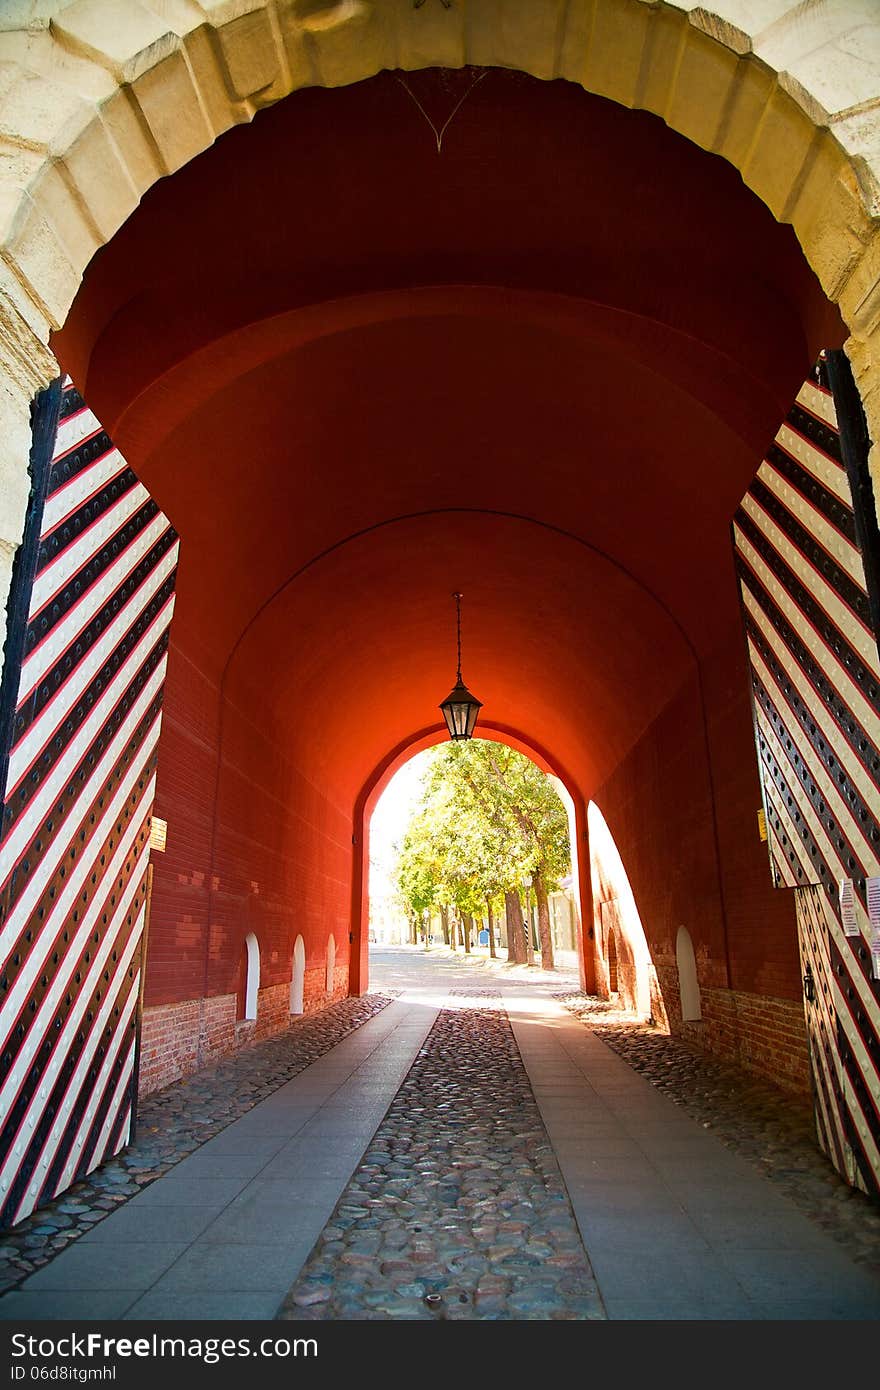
[(540, 367)]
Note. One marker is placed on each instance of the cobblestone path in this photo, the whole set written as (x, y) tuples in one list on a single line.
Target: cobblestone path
[(770, 1128), (458, 1209), (172, 1123)]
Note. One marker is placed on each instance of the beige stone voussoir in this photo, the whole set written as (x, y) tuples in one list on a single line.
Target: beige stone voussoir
[(346, 42), (780, 153), (860, 296), (250, 54), (169, 98), (703, 90), (95, 169), (618, 40), (39, 114), (526, 38), (123, 36), (42, 262)]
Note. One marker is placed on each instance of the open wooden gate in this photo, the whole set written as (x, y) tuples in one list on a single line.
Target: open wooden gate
[(806, 545), (80, 711)]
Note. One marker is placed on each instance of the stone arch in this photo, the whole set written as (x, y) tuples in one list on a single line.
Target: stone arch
[(688, 984), (252, 975), (297, 976), (330, 981), (102, 99)]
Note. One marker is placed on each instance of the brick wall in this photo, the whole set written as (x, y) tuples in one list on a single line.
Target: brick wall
[(253, 847), (682, 810), (177, 1039), (765, 1036)]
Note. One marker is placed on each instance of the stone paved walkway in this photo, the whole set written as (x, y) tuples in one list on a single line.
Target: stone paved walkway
[(676, 1225), (771, 1129), (458, 1209), (173, 1123)]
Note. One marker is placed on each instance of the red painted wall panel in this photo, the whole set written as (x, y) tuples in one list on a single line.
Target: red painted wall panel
[(659, 807), (276, 861)]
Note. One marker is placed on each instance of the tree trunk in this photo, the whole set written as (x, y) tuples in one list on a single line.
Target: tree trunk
[(516, 940), (467, 922), (527, 929), (490, 921), (543, 921), (413, 930), (444, 924)]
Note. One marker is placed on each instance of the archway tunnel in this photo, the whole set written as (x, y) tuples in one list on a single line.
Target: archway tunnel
[(511, 368)]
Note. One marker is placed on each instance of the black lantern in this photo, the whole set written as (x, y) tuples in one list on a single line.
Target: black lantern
[(460, 708)]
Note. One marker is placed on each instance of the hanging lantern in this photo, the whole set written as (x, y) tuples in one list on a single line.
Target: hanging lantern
[(460, 708)]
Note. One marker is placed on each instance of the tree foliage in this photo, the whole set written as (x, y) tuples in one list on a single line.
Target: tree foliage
[(488, 824)]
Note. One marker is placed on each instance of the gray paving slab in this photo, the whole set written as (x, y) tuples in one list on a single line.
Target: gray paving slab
[(174, 1191), (68, 1305), (235, 1267), (162, 1305), (202, 1165), (153, 1223), (675, 1225), (123, 1264), (265, 1214)]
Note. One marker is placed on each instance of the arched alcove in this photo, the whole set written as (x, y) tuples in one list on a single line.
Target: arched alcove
[(251, 975), (298, 975), (688, 984)]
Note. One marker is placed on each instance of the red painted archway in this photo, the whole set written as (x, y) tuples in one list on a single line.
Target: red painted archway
[(367, 801)]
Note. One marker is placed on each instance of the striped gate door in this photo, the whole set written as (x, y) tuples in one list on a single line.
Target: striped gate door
[(80, 709), (808, 561)]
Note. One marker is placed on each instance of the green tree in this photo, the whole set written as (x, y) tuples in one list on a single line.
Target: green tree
[(489, 822)]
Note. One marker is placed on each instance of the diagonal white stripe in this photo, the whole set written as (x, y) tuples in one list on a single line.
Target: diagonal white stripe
[(813, 641), (31, 1119), (30, 971), (818, 402), (78, 808), (47, 652), (99, 1086), (73, 431), (808, 814), (56, 574), (34, 740), (73, 493), (837, 804), (30, 896), (847, 556), (825, 470), (819, 712), (96, 1089), (855, 630), (123, 1086)]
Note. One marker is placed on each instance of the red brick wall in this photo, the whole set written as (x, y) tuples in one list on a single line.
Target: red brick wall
[(709, 872), (177, 1039), (252, 846), (766, 1036)]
